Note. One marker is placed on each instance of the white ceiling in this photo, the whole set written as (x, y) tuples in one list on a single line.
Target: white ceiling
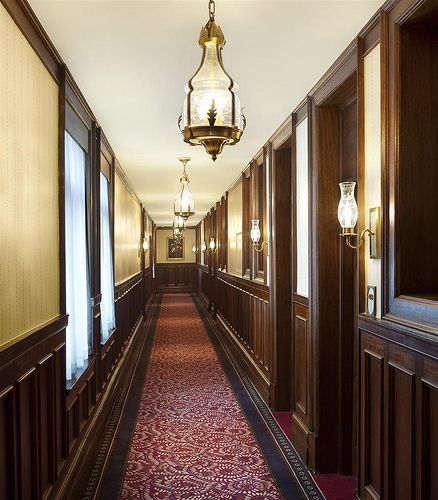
[(132, 59)]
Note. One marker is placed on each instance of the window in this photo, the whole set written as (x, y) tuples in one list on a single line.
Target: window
[(78, 341), (107, 312), (302, 210)]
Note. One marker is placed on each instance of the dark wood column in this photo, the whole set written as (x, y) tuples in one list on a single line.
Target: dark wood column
[(333, 287), (280, 273)]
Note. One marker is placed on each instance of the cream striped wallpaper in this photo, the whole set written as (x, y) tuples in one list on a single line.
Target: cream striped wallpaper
[(235, 237), (29, 229), (372, 162), (127, 233)]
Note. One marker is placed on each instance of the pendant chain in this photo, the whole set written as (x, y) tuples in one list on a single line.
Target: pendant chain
[(211, 9)]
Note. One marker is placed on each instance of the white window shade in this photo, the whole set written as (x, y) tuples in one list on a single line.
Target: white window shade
[(302, 209), (78, 340), (107, 310)]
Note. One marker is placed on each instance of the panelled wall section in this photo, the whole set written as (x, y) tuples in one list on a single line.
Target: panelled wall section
[(43, 421)]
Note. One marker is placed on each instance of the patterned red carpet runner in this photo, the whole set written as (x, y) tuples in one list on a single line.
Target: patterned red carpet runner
[(191, 439)]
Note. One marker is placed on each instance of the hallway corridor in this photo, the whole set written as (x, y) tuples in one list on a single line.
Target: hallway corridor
[(183, 319), (194, 435)]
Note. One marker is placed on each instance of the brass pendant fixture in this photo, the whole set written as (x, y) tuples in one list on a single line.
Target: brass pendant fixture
[(184, 205), (212, 115), (179, 226)]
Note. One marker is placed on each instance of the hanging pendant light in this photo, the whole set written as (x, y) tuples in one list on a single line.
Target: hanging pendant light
[(178, 224), (212, 115), (184, 205)]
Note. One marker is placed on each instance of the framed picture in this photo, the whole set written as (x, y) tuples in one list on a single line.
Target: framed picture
[(175, 248)]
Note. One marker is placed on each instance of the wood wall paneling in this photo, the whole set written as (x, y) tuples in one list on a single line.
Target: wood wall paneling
[(399, 397), (176, 277), (41, 423), (32, 409), (302, 399), (409, 153), (333, 296), (279, 163), (243, 312)]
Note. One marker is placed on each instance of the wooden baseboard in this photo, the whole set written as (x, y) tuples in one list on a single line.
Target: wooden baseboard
[(304, 442), (176, 289), (203, 298)]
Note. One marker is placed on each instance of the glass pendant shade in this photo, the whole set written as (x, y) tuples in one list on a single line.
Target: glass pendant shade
[(177, 232), (179, 223), (255, 231), (204, 246), (145, 245), (184, 205), (212, 244), (212, 115), (194, 249), (347, 209)]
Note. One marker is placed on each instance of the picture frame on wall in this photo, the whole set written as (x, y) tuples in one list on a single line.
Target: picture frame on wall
[(175, 248)]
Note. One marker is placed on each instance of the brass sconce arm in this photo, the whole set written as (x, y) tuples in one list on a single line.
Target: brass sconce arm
[(361, 238), (258, 247)]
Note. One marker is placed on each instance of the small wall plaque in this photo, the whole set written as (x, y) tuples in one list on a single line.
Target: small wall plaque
[(375, 228), (371, 300)]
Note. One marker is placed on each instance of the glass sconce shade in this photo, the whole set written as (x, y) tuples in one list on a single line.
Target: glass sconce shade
[(184, 205), (255, 231), (212, 115), (347, 209), (194, 249), (212, 244), (204, 246), (145, 244)]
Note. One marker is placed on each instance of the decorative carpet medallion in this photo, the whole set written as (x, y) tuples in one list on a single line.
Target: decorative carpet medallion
[(191, 439)]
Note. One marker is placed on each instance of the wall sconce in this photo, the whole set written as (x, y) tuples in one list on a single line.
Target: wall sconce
[(204, 246), (255, 236), (347, 216), (212, 245), (194, 249), (144, 246)]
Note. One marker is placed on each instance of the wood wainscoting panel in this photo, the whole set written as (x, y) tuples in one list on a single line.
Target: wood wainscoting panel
[(399, 413), (204, 283), (243, 311), (47, 428), (301, 361), (176, 277), (428, 459), (8, 457), (27, 427), (372, 390), (32, 412), (401, 423)]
